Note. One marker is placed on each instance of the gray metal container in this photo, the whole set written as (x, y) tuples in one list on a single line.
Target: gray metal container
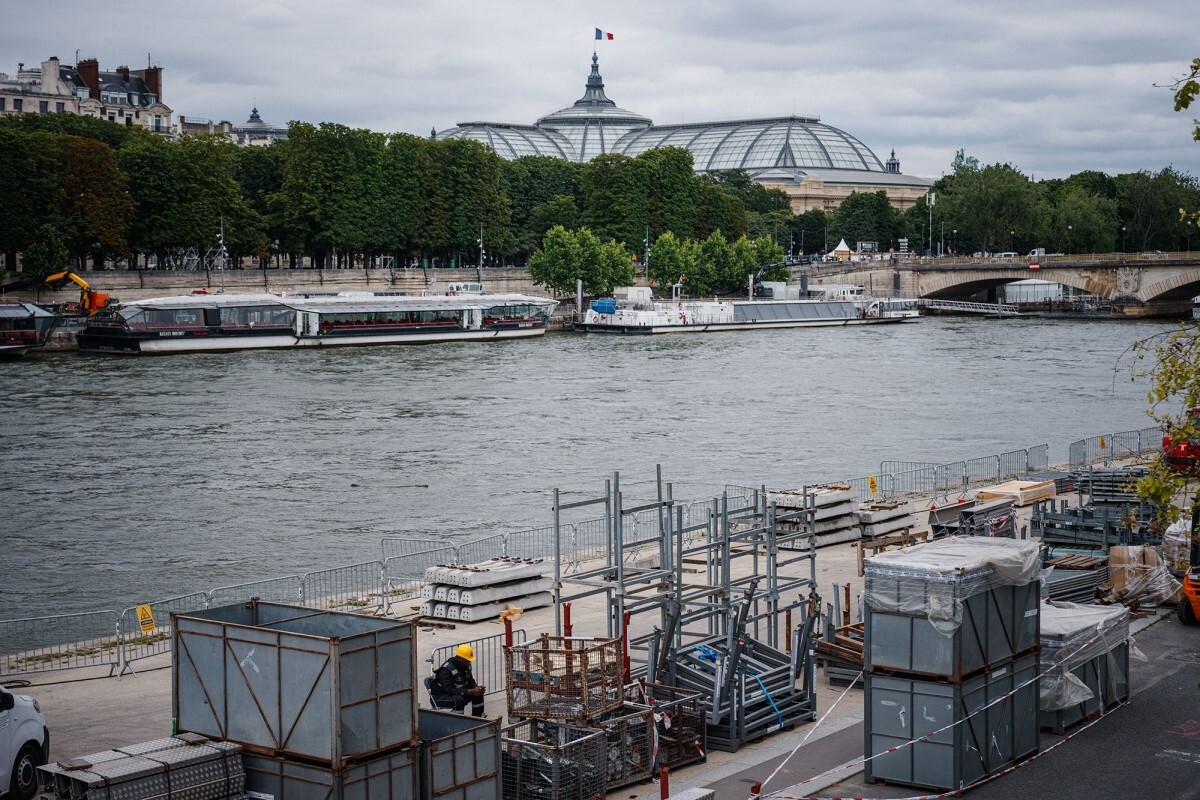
[(388, 777), (997, 625), (460, 757), (1107, 675), (902, 709), (289, 681)]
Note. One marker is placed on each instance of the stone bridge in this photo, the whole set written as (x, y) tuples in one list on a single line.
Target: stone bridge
[(1136, 284)]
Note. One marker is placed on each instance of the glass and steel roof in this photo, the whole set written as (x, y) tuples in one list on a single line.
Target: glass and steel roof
[(594, 125), (514, 141), (791, 142)]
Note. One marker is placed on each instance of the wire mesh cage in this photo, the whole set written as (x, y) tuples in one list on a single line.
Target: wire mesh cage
[(679, 721), (556, 677), (629, 745), (545, 760)]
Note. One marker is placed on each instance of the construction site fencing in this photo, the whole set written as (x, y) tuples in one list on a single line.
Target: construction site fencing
[(273, 590), (478, 550), (488, 667), (532, 543), (353, 587), (145, 630), (1109, 447), (63, 641), (398, 546)]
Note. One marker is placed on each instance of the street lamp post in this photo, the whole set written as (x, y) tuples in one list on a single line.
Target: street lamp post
[(1011, 240), (1068, 240), (942, 239), (954, 241), (1122, 238), (932, 200)]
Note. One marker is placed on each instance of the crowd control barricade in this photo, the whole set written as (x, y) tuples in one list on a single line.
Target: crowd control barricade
[(145, 630), (62, 641), (532, 543), (354, 587), (1038, 458), (403, 576), (488, 668), (478, 550), (398, 546), (273, 590)]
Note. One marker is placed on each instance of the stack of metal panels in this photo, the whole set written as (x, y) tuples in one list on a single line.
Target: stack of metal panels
[(315, 698), (756, 689), (178, 768), (1109, 484), (545, 760), (1075, 585), (1097, 526), (1084, 662), (951, 625)]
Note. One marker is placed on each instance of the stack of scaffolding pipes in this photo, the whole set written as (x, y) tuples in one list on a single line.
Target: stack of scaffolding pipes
[(1075, 585), (1099, 526), (1109, 485)]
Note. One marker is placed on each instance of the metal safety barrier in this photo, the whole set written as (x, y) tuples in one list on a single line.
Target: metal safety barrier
[(478, 550), (404, 576), (394, 546), (273, 590), (532, 543), (145, 630), (488, 667), (353, 587), (63, 641), (1106, 448)]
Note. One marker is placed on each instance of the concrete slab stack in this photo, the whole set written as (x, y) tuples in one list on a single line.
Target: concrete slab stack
[(830, 512), (951, 660), (886, 518), (477, 592)]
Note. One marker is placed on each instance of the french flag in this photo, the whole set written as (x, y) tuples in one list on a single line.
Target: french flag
[(603, 35)]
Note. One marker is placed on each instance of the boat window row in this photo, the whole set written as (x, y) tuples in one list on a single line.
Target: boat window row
[(265, 316), (515, 312), (794, 311), (392, 318)]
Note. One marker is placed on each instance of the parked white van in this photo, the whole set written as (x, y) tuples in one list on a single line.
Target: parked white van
[(24, 745)]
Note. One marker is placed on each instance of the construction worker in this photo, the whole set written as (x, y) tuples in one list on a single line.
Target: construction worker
[(453, 684)]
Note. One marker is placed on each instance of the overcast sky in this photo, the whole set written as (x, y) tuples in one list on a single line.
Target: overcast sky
[(1051, 87)]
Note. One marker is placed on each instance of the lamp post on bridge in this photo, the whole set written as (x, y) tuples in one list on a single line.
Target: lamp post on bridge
[(1011, 240), (1068, 240), (954, 241), (1122, 238)]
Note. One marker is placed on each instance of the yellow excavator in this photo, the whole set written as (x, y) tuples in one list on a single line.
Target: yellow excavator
[(90, 300)]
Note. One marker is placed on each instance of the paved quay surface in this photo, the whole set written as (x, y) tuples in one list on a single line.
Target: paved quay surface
[(1149, 748)]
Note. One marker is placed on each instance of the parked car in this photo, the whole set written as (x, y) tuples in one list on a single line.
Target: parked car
[(24, 745), (1006, 255)]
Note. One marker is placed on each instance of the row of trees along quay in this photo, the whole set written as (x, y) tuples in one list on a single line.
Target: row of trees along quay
[(79, 189)]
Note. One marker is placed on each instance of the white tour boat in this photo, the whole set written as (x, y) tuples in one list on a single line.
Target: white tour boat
[(633, 310), (202, 321)]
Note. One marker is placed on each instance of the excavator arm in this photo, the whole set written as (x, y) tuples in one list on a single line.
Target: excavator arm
[(90, 300)]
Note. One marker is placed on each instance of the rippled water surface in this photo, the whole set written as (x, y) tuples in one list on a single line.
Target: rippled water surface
[(129, 479)]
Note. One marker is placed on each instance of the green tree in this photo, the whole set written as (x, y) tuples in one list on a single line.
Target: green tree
[(616, 198), (557, 211), (476, 199), (1186, 89), (46, 255), (984, 205), (673, 191), (808, 231), (720, 210), (865, 217), (535, 181), (717, 259), (97, 210), (114, 135), (568, 256), (1083, 222), (31, 197), (1171, 361), (671, 257)]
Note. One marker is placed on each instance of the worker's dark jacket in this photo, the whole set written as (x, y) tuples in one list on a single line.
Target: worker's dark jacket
[(453, 678)]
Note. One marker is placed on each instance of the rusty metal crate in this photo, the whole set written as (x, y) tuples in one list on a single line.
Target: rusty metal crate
[(629, 745), (562, 678), (679, 717), (544, 760)]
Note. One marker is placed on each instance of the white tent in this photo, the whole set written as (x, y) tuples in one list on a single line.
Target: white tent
[(841, 251)]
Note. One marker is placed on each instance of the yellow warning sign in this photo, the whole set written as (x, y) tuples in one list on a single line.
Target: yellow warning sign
[(1103, 444), (145, 618), (873, 485)]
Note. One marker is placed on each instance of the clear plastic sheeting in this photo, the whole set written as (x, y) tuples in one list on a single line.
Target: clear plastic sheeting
[(1073, 637), (933, 579)]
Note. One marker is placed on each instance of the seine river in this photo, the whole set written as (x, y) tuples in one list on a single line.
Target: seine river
[(124, 480)]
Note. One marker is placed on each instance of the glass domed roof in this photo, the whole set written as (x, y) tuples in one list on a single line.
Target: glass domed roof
[(513, 141), (800, 142)]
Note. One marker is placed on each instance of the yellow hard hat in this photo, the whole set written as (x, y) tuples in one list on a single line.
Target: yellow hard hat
[(465, 651)]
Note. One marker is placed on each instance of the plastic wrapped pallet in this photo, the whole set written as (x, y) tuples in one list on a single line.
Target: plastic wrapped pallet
[(1075, 636), (951, 608), (934, 578)]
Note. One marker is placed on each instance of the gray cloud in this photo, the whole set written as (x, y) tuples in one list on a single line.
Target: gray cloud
[(1052, 88)]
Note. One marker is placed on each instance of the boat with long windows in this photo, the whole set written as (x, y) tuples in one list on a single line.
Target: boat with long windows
[(24, 326), (201, 321), (633, 310)]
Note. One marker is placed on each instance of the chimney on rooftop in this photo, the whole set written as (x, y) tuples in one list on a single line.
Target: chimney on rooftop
[(153, 78), (123, 71), (89, 73)]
